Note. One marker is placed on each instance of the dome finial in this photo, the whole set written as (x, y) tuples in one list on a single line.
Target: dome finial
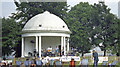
[(47, 12)]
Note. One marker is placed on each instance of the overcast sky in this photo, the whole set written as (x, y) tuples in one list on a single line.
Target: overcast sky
[(7, 6)]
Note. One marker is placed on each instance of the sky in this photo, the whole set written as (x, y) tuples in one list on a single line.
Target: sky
[(7, 6)]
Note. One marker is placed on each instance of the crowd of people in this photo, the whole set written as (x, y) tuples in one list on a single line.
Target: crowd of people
[(44, 62), (37, 62), (53, 52), (5, 64), (50, 52), (47, 62)]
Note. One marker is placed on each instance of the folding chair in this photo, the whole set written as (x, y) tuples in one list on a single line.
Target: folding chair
[(26, 63), (30, 62), (104, 62), (84, 63), (38, 63), (51, 63), (58, 63), (18, 63), (113, 64)]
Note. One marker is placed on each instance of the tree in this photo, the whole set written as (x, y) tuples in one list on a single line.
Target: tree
[(92, 25), (105, 27), (11, 32), (78, 19), (115, 49), (26, 10)]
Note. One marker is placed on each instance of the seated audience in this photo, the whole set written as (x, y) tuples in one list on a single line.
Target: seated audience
[(72, 63), (84, 62)]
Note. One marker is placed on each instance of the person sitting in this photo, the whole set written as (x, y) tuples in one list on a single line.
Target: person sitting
[(30, 62), (26, 63), (49, 49), (4, 65), (44, 61), (22, 65), (33, 65), (10, 64), (18, 63), (84, 62), (58, 63), (38, 62), (51, 63), (7, 64), (72, 63), (29, 54)]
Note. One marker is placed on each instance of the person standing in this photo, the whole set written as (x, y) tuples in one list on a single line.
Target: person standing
[(53, 53), (95, 55), (56, 51)]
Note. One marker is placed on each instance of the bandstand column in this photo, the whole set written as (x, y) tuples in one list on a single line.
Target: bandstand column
[(23, 47), (64, 46), (39, 46), (37, 43), (68, 45), (61, 44)]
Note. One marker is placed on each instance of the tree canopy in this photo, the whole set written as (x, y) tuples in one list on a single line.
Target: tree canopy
[(11, 36), (92, 25), (105, 27), (78, 19), (26, 10)]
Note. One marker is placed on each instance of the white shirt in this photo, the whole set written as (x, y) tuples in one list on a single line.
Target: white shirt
[(49, 49), (44, 61), (84, 62)]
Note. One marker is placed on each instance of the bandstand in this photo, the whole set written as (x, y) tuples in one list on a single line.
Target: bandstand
[(44, 30)]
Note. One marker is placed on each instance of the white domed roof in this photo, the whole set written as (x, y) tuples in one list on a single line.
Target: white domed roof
[(45, 22)]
